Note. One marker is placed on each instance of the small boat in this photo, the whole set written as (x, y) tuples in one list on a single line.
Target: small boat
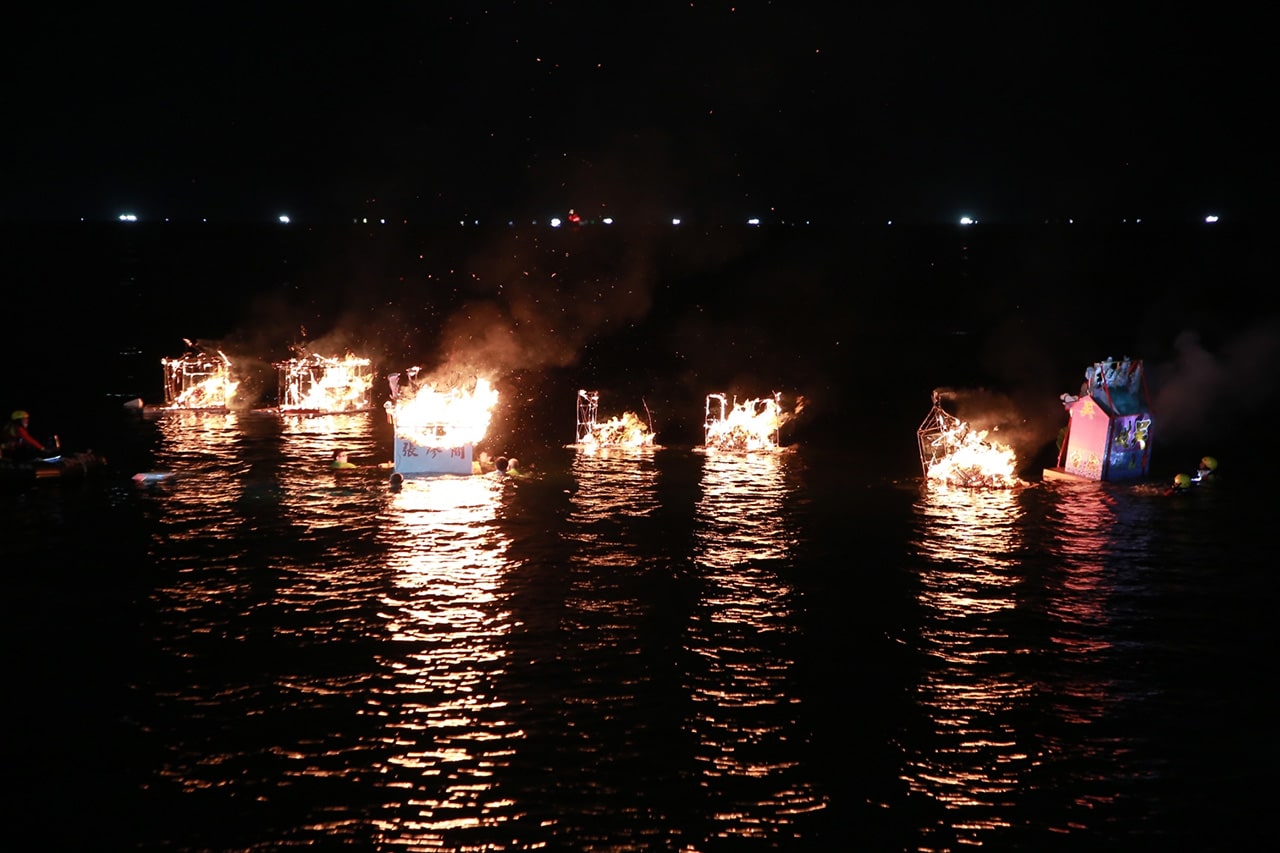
[(64, 467)]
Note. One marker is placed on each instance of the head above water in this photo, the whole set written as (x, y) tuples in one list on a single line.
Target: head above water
[(1182, 481), (19, 415), (1209, 463)]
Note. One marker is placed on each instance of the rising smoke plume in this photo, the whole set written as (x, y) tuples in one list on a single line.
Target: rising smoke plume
[(1205, 396)]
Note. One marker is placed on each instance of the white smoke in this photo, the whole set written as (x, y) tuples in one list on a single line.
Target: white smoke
[(1200, 395)]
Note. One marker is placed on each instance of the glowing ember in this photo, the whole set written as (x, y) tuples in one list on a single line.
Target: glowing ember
[(625, 431), (198, 381), (749, 426), (952, 454), (440, 416), (318, 384)]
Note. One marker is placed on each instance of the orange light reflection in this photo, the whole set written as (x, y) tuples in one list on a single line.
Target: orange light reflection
[(440, 703), (744, 709), (971, 760)]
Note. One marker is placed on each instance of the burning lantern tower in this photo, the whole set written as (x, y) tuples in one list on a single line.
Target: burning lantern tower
[(436, 427), (1108, 434), (625, 431), (198, 381), (314, 383), (952, 454), (754, 425)]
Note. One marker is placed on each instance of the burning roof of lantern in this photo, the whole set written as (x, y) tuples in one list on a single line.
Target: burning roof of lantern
[(316, 383), (953, 454), (747, 426), (625, 430), (199, 380), (440, 413)]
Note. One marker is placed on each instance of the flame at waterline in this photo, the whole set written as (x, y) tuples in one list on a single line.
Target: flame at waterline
[(199, 382), (626, 430), (319, 384), (953, 454), (752, 425)]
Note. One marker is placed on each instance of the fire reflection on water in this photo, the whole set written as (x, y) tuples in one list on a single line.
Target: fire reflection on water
[(970, 760), (614, 485), (307, 446), (1088, 602), (745, 719), (198, 450), (438, 705)]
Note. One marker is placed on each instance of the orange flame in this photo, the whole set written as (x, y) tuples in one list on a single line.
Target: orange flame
[(435, 416), (198, 382), (319, 384), (955, 455), (972, 462), (625, 431), (749, 426)]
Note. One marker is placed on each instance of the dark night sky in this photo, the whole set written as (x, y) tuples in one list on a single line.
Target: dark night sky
[(707, 110)]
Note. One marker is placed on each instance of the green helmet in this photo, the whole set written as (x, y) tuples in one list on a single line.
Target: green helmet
[(1182, 481), (1209, 462), (19, 415)]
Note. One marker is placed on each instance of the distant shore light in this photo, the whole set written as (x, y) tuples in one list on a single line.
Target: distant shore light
[(1211, 218), (968, 220), (128, 217), (675, 220), (284, 218)]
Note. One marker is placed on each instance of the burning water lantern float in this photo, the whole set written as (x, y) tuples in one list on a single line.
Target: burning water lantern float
[(314, 383), (1108, 432), (953, 454), (624, 431), (753, 425), (436, 426), (199, 381)]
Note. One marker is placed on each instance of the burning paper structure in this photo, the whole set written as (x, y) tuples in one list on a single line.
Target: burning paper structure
[(753, 425), (437, 426), (1108, 433), (314, 383), (624, 431), (952, 454), (198, 381)]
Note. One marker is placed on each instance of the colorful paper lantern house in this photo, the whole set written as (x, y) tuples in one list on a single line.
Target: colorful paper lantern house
[(1108, 432)]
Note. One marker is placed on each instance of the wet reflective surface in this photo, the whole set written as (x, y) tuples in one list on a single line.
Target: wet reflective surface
[(652, 649)]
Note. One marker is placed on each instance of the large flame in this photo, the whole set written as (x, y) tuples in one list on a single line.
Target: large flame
[(973, 462), (199, 381), (317, 384), (748, 426), (953, 454), (441, 415), (626, 430)]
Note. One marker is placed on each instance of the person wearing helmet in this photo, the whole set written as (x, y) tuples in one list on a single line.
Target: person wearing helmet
[(18, 441), (1181, 483), (1208, 465)]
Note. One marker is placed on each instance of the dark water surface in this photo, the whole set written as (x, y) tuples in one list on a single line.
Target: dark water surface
[(664, 650), (654, 650)]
